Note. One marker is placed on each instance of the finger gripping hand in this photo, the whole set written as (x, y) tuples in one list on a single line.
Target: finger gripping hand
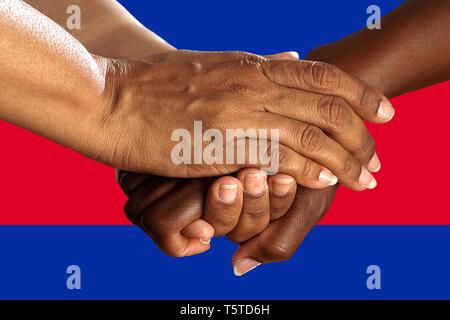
[(283, 236)]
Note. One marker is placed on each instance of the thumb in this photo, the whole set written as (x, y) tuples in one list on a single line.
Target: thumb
[(288, 55), (276, 243), (283, 236)]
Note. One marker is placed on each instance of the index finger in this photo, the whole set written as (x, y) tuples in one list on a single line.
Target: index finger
[(324, 78)]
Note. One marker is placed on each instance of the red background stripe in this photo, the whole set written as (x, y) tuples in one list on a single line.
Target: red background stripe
[(43, 183)]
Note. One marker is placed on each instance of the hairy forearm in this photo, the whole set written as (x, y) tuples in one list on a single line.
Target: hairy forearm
[(411, 51), (48, 80), (107, 29)]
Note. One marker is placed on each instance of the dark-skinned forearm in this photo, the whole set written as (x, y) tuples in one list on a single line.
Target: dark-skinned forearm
[(411, 51)]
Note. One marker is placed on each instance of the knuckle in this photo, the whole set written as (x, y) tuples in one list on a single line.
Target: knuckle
[(349, 166), (287, 161), (153, 225), (284, 157), (307, 169), (149, 224), (367, 98), (362, 95), (278, 250), (235, 237), (246, 58), (240, 59), (334, 112), (324, 76), (223, 222), (232, 55), (238, 55), (131, 212), (303, 167), (368, 145), (256, 213), (311, 139)]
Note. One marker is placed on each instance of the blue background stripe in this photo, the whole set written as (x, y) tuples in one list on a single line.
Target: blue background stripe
[(120, 262)]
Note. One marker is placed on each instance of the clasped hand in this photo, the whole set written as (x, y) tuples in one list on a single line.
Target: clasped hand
[(267, 215), (317, 108)]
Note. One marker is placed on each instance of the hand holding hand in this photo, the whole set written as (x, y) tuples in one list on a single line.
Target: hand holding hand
[(316, 107), (178, 213)]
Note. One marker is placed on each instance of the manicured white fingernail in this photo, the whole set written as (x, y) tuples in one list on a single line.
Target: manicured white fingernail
[(366, 179), (282, 186), (327, 177), (205, 241), (228, 193), (385, 111), (285, 180), (374, 164), (255, 183), (245, 265)]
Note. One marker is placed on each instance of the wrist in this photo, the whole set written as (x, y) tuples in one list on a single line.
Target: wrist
[(125, 39), (102, 103), (363, 66), (110, 125)]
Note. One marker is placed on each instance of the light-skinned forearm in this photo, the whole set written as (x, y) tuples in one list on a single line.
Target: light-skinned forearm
[(49, 82), (107, 28)]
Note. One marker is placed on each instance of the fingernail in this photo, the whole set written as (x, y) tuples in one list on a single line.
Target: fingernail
[(385, 111), (327, 177), (374, 164), (255, 183), (228, 193), (294, 54), (245, 265), (281, 186), (205, 241), (366, 179)]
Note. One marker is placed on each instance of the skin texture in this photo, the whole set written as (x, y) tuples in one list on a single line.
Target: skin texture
[(115, 111), (105, 24), (381, 60), (240, 90), (99, 35), (101, 39), (411, 51), (34, 49)]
